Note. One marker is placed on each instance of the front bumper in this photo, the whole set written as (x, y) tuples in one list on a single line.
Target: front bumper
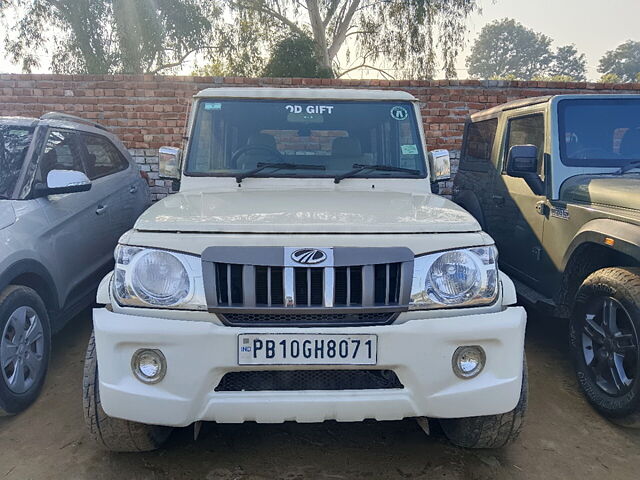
[(199, 353)]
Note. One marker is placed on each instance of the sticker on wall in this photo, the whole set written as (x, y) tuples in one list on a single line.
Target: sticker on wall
[(399, 113), (212, 106), (409, 149)]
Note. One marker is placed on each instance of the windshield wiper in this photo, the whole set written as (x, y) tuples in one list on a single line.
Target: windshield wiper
[(278, 166), (628, 166), (360, 167)]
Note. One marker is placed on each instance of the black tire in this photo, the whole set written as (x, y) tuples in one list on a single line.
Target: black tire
[(114, 434), (12, 298), (606, 347), (490, 431)]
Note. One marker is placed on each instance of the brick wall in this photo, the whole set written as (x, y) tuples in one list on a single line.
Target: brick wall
[(149, 111)]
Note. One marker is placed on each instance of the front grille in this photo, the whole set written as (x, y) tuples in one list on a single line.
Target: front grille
[(274, 285), (295, 380), (307, 319), (268, 285)]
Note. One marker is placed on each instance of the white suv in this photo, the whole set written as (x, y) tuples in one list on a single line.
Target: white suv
[(304, 272)]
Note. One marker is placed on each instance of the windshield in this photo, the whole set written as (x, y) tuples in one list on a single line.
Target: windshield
[(237, 136), (599, 132), (14, 143)]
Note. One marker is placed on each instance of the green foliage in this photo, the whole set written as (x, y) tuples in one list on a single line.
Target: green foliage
[(505, 49), (568, 64), (295, 56), (107, 36), (624, 62), (610, 78), (406, 37)]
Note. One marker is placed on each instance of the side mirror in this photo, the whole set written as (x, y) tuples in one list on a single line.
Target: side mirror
[(440, 163), (169, 160), (63, 181), (522, 162)]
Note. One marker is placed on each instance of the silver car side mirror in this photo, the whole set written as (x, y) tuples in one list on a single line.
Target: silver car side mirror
[(169, 160), (440, 163), (63, 181)]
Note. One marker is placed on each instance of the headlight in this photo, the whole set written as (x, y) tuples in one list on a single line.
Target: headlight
[(456, 278), (158, 278)]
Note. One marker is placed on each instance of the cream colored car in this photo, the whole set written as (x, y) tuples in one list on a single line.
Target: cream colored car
[(305, 272)]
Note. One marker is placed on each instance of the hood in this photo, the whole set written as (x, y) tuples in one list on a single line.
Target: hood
[(7, 214), (306, 211), (613, 190)]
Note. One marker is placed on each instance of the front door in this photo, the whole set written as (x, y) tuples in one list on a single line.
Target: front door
[(517, 225)]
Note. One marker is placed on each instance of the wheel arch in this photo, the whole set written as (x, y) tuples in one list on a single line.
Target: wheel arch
[(30, 273), (598, 244)]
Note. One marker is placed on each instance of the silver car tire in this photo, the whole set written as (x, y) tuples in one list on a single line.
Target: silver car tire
[(25, 345)]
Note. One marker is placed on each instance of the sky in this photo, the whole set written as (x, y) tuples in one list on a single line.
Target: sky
[(594, 26)]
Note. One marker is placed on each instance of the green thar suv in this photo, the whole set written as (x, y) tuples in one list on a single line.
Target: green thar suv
[(556, 182)]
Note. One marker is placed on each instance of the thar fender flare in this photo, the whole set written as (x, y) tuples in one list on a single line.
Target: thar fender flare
[(33, 267), (613, 234)]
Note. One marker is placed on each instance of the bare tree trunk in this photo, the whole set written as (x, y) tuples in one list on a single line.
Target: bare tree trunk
[(319, 34)]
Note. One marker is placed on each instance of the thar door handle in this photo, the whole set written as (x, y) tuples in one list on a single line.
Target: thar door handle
[(498, 199), (101, 209)]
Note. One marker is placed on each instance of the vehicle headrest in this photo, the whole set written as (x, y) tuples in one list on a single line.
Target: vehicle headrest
[(630, 144), (346, 147), (262, 139)]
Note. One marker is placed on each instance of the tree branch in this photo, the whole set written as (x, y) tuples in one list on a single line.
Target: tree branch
[(342, 29), (268, 11), (333, 6), (365, 65)]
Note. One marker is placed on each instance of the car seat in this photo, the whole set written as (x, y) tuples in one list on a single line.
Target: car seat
[(630, 145), (251, 158)]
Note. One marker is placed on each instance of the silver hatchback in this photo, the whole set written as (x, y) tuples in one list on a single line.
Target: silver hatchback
[(68, 190)]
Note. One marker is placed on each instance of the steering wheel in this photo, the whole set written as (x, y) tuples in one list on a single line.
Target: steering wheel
[(247, 148), (583, 153)]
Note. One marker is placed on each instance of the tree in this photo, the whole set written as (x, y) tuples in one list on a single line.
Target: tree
[(624, 62), (507, 48), (392, 36), (568, 65), (295, 56), (107, 36)]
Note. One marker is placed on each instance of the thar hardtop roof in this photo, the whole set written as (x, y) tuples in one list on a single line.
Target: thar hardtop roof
[(306, 94), (527, 102)]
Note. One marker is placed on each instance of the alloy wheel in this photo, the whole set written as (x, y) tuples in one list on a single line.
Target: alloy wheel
[(22, 349), (610, 345)]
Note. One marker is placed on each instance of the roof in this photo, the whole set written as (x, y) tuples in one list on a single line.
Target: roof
[(306, 93), (527, 102), (523, 102)]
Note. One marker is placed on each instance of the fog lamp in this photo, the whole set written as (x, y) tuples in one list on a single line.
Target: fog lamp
[(468, 361), (149, 366)]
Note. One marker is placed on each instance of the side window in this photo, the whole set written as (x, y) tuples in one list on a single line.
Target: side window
[(478, 145), (103, 158), (61, 152), (527, 130)]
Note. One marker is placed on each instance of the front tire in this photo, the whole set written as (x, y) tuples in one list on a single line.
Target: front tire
[(489, 431), (605, 343), (25, 345), (110, 433)]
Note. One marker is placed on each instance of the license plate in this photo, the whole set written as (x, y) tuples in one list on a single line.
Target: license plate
[(311, 349)]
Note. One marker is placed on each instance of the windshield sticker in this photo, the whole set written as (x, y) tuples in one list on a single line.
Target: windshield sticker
[(409, 149), (213, 106), (399, 113), (310, 109)]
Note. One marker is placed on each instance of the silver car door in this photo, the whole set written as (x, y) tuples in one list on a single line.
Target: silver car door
[(77, 225)]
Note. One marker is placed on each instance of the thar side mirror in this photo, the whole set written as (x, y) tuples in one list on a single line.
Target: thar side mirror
[(169, 160), (63, 181), (522, 162)]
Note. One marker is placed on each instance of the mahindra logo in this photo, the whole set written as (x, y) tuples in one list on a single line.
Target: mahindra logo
[(308, 256)]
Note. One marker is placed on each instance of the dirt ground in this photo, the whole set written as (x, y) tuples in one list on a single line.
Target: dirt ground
[(563, 437)]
